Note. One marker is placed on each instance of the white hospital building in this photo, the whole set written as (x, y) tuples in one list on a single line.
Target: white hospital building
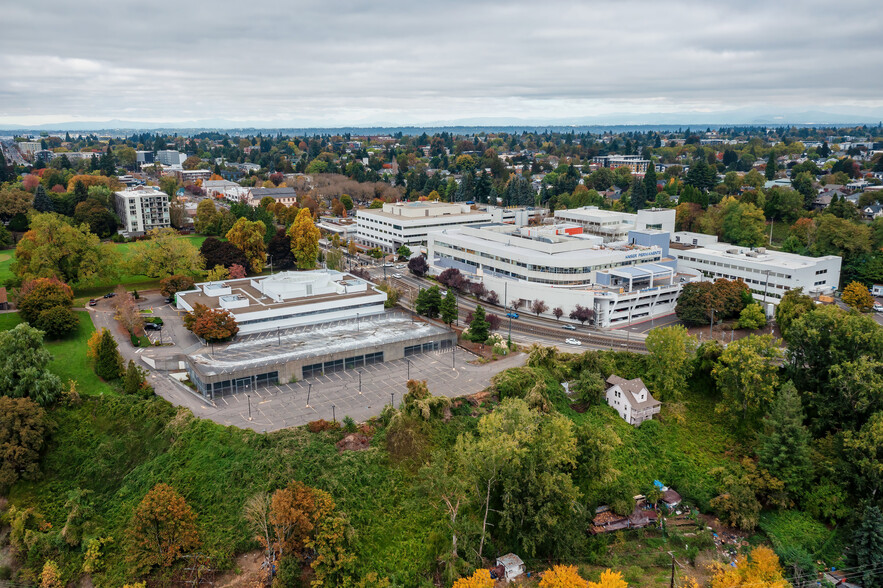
[(615, 226), (563, 266), (408, 223), (769, 274)]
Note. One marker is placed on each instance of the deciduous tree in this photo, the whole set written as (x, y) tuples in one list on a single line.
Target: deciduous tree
[(760, 569), (174, 284), (164, 254), (23, 366), (418, 266), (746, 375), (672, 350), (857, 296), (539, 307), (248, 237), (162, 529), (480, 578), (54, 248), (563, 576), (304, 240), (295, 512), (211, 324), (23, 429)]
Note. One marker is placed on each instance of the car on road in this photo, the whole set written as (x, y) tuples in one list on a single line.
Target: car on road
[(878, 307), (572, 341), (397, 275), (110, 295), (387, 264), (93, 302), (512, 314), (152, 327), (569, 328)]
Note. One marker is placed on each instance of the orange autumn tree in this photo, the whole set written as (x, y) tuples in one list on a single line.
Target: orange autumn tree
[(563, 577), (211, 324), (295, 512), (479, 579), (163, 528), (760, 569)]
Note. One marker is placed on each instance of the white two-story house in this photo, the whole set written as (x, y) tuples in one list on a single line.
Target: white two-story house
[(631, 399)]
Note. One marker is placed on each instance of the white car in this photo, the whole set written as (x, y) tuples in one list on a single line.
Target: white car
[(572, 341), (878, 307), (397, 275)]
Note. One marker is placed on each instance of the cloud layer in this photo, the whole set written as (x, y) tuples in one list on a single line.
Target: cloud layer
[(355, 62)]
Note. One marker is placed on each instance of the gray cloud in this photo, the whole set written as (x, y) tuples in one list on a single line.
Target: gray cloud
[(354, 62)]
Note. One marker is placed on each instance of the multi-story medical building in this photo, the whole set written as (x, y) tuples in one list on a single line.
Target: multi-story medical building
[(408, 223), (564, 267)]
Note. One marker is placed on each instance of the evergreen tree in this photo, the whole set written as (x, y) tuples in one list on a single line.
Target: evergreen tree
[(650, 182), (108, 362), (42, 202), (784, 443), (80, 192), (133, 383), (5, 173), (449, 307), (638, 197), (824, 150), (867, 546), (466, 191), (479, 328), (771, 166), (429, 302)]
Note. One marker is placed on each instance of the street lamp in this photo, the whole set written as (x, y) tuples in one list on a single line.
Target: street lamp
[(392, 399), (409, 368), (360, 382), (249, 405), (333, 414), (309, 391), (453, 355)]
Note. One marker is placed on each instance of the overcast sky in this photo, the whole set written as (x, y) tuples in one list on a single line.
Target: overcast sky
[(404, 62)]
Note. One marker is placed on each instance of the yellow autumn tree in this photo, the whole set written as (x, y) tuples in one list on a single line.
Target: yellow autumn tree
[(760, 569), (248, 237), (50, 577), (480, 579), (857, 296), (609, 579), (563, 577), (304, 240)]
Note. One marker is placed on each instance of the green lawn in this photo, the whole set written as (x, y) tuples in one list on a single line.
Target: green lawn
[(69, 355)]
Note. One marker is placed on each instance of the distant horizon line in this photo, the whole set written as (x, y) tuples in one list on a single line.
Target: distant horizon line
[(154, 127)]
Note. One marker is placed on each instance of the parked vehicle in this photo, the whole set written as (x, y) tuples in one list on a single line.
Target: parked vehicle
[(110, 295), (878, 307), (93, 302), (152, 327)]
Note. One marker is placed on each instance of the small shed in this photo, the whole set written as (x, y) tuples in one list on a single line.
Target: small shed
[(512, 566)]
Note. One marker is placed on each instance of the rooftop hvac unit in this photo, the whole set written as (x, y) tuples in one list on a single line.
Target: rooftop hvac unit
[(733, 251)]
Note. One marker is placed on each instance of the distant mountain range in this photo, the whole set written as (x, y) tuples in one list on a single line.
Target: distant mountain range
[(614, 122)]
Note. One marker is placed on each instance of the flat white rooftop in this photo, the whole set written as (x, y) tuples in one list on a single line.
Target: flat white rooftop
[(778, 259)]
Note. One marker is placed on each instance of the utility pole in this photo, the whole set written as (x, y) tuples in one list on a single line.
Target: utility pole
[(672, 583)]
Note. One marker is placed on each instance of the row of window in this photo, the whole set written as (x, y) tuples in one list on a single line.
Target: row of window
[(737, 267), (425, 347), (283, 317), (544, 268), (339, 365), (233, 385)]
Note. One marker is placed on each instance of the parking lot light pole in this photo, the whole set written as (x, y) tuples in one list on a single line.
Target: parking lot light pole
[(360, 382), (309, 391), (392, 399), (453, 356), (278, 337), (333, 414), (249, 405), (409, 368)]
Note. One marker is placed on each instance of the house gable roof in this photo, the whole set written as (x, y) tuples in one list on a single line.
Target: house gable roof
[(631, 389)]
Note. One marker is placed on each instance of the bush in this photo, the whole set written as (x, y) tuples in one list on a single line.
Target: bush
[(321, 425), (57, 322)]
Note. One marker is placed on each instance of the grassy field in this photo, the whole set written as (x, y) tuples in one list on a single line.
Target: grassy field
[(69, 355)]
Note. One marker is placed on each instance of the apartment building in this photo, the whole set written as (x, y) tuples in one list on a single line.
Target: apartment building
[(142, 209)]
